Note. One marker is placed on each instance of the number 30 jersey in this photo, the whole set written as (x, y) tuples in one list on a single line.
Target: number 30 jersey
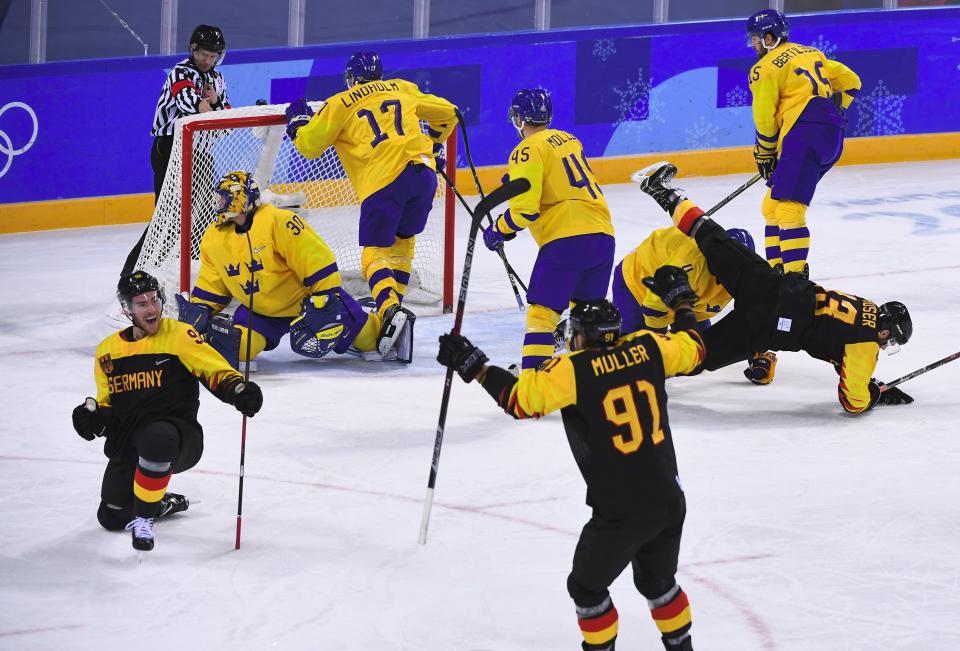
[(375, 128), (290, 261), (564, 198), (785, 81), (614, 409)]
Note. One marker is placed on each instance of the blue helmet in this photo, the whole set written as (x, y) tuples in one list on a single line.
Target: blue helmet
[(532, 106), (768, 21), (743, 236), (362, 67)]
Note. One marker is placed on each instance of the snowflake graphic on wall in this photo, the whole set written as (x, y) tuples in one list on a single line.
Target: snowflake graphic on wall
[(701, 134), (633, 101), (737, 96), (604, 48), (880, 112), (825, 46)]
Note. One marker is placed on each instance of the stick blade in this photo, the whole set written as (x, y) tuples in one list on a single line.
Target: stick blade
[(504, 193), (640, 175)]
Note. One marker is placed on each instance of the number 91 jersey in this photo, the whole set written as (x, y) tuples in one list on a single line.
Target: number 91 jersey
[(564, 198), (375, 128)]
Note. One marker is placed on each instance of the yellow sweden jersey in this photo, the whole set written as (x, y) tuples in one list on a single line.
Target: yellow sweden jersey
[(564, 198), (290, 262), (154, 377), (375, 128), (786, 79), (669, 246)]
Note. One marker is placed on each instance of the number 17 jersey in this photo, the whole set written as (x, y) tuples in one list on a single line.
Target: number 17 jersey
[(375, 128), (564, 198)]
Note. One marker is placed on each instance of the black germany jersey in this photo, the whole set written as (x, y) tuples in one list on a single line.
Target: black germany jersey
[(614, 410), (155, 377)]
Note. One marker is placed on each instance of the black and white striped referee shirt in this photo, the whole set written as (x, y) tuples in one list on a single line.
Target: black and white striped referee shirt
[(182, 93)]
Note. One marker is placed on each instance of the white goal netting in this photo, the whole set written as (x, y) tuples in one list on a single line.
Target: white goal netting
[(254, 139)]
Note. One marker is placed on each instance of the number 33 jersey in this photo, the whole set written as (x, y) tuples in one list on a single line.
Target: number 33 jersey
[(564, 198), (375, 128)]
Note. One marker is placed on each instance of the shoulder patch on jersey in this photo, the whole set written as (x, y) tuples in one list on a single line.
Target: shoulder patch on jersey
[(106, 363)]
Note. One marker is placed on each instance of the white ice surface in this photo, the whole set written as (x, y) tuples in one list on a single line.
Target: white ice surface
[(807, 529)]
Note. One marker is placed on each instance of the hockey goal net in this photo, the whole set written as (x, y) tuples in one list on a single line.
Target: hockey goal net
[(254, 139)]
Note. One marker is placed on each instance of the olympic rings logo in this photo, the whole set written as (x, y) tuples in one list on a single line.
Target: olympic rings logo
[(6, 144)]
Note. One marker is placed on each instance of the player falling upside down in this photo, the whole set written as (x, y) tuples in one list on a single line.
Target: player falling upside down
[(148, 378), (799, 96), (641, 308), (567, 216), (775, 311), (273, 254), (375, 127)]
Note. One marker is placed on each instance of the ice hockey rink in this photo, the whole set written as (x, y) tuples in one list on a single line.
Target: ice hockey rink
[(807, 528)]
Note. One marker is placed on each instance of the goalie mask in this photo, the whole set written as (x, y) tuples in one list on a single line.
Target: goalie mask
[(598, 320), (237, 193)]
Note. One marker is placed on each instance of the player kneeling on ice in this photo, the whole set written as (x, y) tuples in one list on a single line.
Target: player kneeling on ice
[(148, 393), (775, 311), (610, 392), (257, 251)]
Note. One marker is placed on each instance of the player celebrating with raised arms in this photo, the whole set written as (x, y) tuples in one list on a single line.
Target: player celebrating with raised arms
[(374, 126), (148, 378), (567, 216), (776, 311), (799, 96), (611, 394), (255, 249), (641, 308)]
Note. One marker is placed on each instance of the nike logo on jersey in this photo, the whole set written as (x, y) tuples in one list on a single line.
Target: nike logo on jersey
[(258, 249), (161, 361)]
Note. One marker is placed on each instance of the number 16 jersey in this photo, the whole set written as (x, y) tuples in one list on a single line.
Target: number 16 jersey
[(375, 128)]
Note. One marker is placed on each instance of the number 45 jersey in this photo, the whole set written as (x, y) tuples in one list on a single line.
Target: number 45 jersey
[(375, 128), (564, 198)]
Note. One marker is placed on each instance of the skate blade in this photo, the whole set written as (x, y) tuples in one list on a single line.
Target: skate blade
[(640, 175)]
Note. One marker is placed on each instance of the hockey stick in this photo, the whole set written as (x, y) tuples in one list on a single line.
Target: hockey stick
[(921, 371), (640, 175), (488, 203), (511, 274), (246, 378)]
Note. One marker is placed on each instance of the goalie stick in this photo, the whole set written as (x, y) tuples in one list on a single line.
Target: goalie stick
[(246, 378), (640, 175), (511, 274), (504, 193), (921, 371)]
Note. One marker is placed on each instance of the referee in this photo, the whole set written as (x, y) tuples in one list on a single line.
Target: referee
[(193, 86)]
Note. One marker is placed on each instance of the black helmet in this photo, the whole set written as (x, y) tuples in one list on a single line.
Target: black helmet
[(598, 320), (207, 37), (134, 284), (893, 316)]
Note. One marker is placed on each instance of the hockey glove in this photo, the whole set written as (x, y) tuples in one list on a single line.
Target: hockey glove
[(458, 353), (888, 396), (245, 396), (493, 238), (672, 286), (761, 368), (440, 156), (766, 160), (196, 314), (89, 420), (298, 115)]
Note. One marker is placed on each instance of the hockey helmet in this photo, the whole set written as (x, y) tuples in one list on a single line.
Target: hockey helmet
[(207, 37), (531, 106), (236, 193), (361, 68), (743, 236), (768, 21), (893, 316), (598, 320), (134, 284)]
